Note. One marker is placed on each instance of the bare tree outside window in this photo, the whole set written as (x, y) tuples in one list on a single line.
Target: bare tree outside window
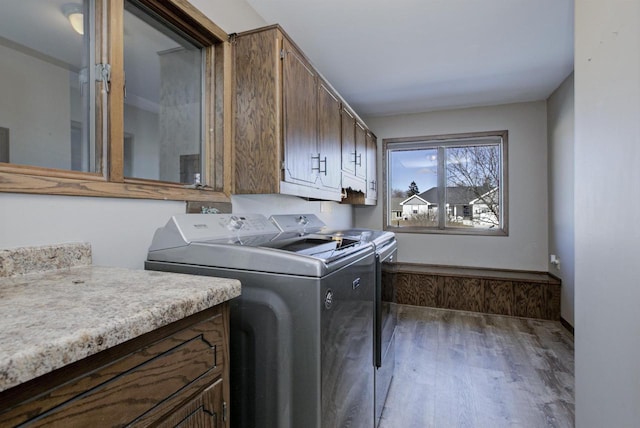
[(477, 170), (398, 193)]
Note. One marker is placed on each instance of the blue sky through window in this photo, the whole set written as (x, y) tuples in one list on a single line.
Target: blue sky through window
[(420, 166)]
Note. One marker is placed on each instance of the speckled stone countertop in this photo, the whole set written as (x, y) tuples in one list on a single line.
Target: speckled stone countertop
[(50, 319), (24, 260)]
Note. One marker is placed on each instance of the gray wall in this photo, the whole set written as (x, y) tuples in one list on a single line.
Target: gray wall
[(560, 126), (607, 261), (119, 230), (526, 246), (38, 114)]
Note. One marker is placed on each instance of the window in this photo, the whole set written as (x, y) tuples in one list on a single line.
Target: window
[(127, 102), (465, 174), (44, 79), (163, 102)]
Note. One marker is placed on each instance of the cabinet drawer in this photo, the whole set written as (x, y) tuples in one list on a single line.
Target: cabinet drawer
[(150, 380), (206, 410)]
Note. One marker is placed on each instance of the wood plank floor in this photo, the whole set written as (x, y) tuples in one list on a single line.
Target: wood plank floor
[(463, 369)]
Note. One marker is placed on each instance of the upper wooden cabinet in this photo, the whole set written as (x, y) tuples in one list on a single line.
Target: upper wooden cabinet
[(372, 169), (353, 153), (361, 150), (293, 134), (329, 137), (348, 142), (366, 192), (286, 120), (300, 106), (354, 145)]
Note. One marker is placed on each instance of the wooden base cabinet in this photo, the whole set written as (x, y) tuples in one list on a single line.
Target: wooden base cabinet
[(176, 376), (286, 121), (207, 410)]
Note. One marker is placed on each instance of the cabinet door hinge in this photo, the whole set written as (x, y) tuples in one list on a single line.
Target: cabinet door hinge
[(103, 74), (282, 53), (224, 411)]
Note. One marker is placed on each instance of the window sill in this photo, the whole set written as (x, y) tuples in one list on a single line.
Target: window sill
[(450, 231), (92, 185)]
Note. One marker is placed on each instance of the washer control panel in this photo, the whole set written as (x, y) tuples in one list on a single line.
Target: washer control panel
[(207, 227), (297, 222)]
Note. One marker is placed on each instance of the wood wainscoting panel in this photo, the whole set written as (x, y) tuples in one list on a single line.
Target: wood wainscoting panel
[(498, 297), (465, 294), (552, 301), (529, 300), (491, 291), (416, 290)]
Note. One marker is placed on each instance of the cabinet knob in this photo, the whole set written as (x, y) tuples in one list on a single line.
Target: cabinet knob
[(324, 161), (357, 158), (320, 162)]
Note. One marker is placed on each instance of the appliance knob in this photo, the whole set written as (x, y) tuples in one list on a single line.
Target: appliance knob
[(234, 223), (328, 299)]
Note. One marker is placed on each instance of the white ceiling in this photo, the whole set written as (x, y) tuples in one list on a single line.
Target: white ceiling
[(388, 57), (40, 25), (405, 56)]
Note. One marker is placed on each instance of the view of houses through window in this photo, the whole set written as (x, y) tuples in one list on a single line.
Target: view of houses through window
[(464, 174)]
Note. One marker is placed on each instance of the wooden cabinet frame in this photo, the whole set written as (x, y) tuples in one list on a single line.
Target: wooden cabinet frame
[(267, 126), (110, 180), (265, 139)]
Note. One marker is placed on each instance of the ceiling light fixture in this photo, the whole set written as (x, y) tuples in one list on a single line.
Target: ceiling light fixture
[(73, 12)]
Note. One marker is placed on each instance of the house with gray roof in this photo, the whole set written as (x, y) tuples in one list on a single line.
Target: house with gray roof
[(470, 203), (396, 209)]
